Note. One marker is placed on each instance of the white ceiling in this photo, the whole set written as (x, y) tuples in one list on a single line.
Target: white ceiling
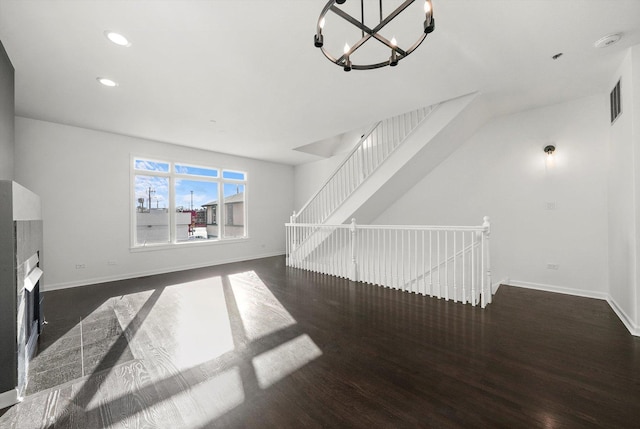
[(251, 66)]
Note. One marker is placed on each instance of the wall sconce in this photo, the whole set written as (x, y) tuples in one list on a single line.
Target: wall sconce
[(550, 150)]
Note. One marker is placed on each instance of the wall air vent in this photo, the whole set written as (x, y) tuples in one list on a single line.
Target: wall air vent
[(614, 100)]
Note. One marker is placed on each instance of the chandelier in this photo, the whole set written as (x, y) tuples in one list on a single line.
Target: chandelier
[(372, 24)]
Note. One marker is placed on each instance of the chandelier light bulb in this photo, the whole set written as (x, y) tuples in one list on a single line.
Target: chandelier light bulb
[(318, 38), (429, 23), (347, 60), (393, 60), (347, 64)]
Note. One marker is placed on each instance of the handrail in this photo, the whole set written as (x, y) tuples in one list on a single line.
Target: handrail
[(344, 161), (415, 258), (390, 227)]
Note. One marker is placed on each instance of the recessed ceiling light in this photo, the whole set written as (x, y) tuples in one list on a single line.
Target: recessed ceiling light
[(117, 38), (607, 40), (106, 81)]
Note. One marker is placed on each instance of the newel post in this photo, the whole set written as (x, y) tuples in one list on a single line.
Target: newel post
[(294, 232), (486, 235), (354, 265)]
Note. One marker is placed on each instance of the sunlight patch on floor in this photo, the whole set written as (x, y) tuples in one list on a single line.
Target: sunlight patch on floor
[(215, 396), (279, 362), (201, 323), (198, 405), (190, 321), (261, 312)]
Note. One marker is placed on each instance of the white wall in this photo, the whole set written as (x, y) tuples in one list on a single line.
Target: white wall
[(501, 172), (83, 178), (622, 211), (624, 195), (311, 176)]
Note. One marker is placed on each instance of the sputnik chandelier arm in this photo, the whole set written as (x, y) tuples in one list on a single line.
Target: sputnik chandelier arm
[(368, 33)]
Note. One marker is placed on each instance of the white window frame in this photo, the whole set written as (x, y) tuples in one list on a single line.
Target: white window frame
[(172, 176)]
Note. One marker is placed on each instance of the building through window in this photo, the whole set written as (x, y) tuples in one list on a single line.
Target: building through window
[(178, 203)]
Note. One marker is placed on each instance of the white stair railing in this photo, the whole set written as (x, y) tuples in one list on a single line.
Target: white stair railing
[(450, 262), (371, 151)]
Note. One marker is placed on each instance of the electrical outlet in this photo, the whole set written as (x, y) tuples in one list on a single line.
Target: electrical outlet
[(80, 266), (552, 266), (550, 205)]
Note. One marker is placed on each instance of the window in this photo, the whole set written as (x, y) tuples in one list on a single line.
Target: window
[(178, 203)]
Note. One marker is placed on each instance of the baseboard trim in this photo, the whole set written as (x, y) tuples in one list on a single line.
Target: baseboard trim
[(9, 398), (632, 327), (559, 289), (127, 276), (495, 286), (626, 320)]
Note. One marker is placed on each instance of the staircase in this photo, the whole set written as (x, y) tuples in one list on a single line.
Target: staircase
[(399, 149), (373, 149)]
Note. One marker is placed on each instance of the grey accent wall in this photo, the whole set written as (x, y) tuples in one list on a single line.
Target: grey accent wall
[(8, 358), (7, 112), (8, 316)]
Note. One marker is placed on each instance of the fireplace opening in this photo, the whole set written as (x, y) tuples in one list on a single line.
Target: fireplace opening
[(32, 319), (29, 318)]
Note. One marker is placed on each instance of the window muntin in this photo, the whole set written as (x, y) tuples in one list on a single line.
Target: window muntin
[(178, 203)]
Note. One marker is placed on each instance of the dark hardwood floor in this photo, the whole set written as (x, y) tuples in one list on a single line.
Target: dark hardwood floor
[(258, 345)]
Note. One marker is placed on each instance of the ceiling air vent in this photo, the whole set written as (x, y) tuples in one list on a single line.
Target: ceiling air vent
[(614, 99), (608, 40)]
